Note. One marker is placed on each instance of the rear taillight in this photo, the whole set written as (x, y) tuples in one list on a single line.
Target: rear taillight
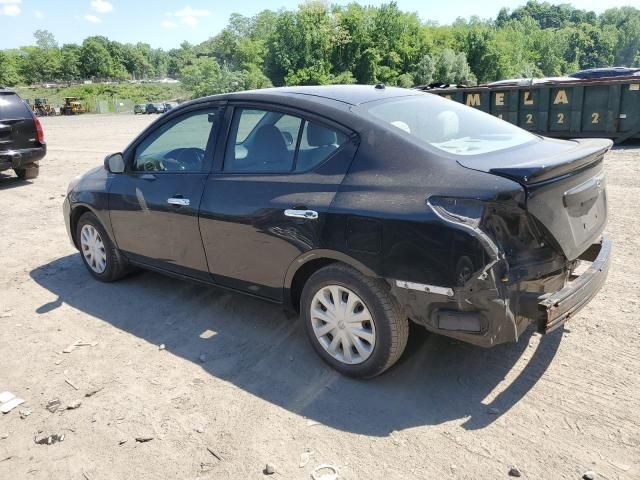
[(464, 211), (39, 131)]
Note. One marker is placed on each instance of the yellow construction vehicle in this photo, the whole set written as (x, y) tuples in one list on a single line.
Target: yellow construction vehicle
[(30, 105), (71, 106), (43, 108)]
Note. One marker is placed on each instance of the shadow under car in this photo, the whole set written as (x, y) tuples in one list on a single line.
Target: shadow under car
[(262, 350)]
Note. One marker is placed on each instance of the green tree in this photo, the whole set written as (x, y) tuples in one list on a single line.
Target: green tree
[(366, 68), (425, 70), (320, 43), (95, 58), (69, 63), (626, 24), (205, 76), (178, 58), (301, 46), (591, 47), (9, 75), (452, 67), (45, 40)]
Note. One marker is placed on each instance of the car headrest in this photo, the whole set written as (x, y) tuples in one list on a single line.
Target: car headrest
[(446, 125), (401, 125), (269, 140), (318, 136)]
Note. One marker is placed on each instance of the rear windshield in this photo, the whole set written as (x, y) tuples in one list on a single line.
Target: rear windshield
[(447, 125), (12, 106)]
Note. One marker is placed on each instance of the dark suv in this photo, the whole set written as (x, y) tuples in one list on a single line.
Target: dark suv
[(21, 137)]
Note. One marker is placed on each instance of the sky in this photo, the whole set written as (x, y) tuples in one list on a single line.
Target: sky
[(166, 23)]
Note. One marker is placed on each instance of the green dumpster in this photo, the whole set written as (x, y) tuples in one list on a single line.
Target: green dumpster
[(608, 108)]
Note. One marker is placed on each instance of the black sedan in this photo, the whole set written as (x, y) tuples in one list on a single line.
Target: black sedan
[(362, 208)]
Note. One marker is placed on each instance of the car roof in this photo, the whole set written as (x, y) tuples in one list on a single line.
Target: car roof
[(346, 94)]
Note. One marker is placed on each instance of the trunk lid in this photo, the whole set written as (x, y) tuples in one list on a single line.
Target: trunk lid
[(565, 185)]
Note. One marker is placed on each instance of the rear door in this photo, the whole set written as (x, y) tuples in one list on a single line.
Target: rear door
[(154, 203), (268, 200)]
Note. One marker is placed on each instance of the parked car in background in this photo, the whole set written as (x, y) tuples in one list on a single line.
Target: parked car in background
[(169, 105), (140, 108), (22, 143), (362, 209), (155, 108)]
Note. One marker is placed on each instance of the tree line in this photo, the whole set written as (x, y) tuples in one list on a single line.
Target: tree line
[(320, 43)]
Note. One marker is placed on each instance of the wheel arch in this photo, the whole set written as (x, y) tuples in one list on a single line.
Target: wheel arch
[(306, 265), (76, 212)]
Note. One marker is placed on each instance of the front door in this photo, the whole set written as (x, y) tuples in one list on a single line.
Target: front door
[(154, 204), (268, 201)]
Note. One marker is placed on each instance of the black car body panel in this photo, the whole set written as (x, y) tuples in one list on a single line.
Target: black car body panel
[(565, 186), (472, 248), (19, 144), (148, 193), (242, 217)]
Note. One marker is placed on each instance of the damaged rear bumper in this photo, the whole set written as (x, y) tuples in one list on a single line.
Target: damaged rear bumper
[(556, 308), (497, 307)]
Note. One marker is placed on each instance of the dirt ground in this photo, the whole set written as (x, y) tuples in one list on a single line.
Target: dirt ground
[(237, 376)]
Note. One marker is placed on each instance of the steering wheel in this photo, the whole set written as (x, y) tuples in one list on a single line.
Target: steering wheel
[(189, 158), (154, 165)]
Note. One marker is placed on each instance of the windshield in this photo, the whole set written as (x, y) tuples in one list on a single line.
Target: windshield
[(448, 125)]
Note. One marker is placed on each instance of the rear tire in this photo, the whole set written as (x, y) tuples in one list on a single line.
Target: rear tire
[(101, 257), (364, 332), (28, 172)]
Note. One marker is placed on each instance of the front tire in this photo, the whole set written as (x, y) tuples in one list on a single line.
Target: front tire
[(353, 321), (101, 257)]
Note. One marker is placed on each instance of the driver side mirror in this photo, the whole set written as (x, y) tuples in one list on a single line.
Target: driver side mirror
[(114, 163)]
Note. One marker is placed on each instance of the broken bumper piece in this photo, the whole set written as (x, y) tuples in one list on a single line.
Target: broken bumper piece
[(488, 310), (556, 308)]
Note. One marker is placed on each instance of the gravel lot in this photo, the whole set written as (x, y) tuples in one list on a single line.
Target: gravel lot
[(237, 376)]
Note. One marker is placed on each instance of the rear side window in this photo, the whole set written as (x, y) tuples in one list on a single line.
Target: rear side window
[(317, 144), (12, 106), (447, 125), (262, 141)]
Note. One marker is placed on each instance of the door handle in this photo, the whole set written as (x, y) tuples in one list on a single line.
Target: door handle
[(306, 214), (183, 202)]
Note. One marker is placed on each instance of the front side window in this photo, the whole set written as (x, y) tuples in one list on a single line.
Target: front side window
[(447, 125), (275, 142), (177, 146)]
